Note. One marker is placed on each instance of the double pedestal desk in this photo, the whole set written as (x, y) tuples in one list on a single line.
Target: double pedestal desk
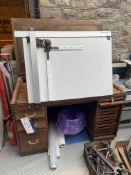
[(102, 115)]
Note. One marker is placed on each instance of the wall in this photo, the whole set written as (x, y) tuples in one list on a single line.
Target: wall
[(114, 14)]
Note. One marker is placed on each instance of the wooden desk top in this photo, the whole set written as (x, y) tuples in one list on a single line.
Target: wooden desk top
[(20, 95)]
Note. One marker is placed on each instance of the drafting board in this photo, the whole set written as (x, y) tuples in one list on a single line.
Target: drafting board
[(81, 67)]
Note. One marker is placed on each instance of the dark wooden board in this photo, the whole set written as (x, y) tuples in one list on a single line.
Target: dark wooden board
[(11, 3), (47, 25), (9, 9)]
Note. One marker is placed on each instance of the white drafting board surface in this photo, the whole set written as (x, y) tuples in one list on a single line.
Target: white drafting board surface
[(81, 67), (82, 73)]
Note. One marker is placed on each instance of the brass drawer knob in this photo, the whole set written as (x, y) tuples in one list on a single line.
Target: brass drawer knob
[(35, 124), (112, 99), (30, 142)]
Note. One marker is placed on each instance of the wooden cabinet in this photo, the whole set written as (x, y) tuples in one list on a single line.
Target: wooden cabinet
[(103, 123), (107, 119), (29, 143), (8, 10)]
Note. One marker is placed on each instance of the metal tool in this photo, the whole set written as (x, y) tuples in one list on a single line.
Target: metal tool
[(46, 44), (105, 160), (129, 145), (128, 151), (116, 170), (102, 165), (108, 147)]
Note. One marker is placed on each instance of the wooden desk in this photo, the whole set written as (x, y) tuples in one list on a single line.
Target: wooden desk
[(102, 114)]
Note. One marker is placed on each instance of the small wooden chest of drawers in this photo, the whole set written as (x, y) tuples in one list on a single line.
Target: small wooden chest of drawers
[(103, 119), (29, 143)]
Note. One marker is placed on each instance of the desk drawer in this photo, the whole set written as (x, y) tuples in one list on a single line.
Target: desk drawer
[(40, 123), (113, 98), (28, 107), (33, 143), (33, 114)]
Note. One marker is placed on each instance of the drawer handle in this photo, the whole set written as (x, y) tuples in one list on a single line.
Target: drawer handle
[(33, 143), (31, 116), (35, 124), (112, 99)]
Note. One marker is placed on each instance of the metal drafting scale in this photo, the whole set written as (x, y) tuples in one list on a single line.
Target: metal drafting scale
[(77, 64)]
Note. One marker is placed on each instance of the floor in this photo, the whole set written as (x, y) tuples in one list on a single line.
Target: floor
[(70, 163)]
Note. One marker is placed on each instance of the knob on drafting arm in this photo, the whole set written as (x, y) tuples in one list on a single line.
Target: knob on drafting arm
[(47, 47)]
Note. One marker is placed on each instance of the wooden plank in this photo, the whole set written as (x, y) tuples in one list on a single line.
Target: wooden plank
[(47, 25), (108, 108), (107, 121), (3, 43), (111, 103), (5, 32), (108, 116), (9, 9), (6, 11), (119, 158), (56, 24), (122, 143), (124, 158), (14, 97), (109, 112), (11, 3), (103, 137), (117, 88), (117, 95)]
